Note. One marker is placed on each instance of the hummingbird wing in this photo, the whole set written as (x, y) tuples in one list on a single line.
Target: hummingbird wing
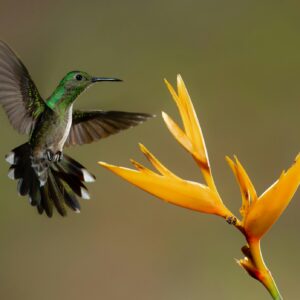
[(19, 96), (90, 126)]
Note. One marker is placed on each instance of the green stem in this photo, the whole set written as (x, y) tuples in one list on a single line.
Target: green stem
[(263, 273)]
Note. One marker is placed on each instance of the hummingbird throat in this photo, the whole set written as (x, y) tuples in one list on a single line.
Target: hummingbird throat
[(62, 98)]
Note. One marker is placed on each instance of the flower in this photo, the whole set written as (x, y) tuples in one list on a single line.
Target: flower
[(168, 186), (260, 213)]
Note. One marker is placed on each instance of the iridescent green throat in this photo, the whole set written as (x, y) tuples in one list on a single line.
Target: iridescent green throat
[(62, 98)]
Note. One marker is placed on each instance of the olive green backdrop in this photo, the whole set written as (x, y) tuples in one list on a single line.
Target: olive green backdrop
[(241, 63)]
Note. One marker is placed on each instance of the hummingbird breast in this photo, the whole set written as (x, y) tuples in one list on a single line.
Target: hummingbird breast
[(51, 132), (65, 133)]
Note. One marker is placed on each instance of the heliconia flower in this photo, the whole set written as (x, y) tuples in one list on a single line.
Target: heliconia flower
[(171, 188), (260, 213), (166, 185)]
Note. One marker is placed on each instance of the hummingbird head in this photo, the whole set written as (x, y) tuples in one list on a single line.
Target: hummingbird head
[(71, 86), (79, 81)]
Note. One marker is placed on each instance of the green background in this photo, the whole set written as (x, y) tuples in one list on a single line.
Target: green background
[(241, 63)]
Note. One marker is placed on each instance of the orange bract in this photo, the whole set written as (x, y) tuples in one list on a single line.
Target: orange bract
[(171, 188), (260, 213), (166, 185)]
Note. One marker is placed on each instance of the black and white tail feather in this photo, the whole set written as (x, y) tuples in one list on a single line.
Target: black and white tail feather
[(49, 184)]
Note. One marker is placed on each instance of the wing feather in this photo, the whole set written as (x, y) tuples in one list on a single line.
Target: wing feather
[(90, 126), (19, 96)]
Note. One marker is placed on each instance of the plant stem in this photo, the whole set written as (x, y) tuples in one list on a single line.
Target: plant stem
[(262, 272)]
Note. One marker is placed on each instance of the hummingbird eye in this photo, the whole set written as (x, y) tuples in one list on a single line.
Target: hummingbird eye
[(79, 77)]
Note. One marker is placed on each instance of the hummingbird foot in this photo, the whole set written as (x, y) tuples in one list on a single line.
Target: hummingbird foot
[(49, 154), (57, 157)]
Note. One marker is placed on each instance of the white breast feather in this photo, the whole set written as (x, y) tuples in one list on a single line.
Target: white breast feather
[(68, 128)]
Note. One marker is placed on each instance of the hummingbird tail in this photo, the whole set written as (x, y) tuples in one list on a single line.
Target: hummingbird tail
[(63, 184)]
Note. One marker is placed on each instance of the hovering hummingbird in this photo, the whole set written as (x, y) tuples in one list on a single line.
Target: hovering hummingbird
[(49, 177)]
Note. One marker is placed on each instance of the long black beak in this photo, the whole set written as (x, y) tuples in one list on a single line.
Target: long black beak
[(98, 79)]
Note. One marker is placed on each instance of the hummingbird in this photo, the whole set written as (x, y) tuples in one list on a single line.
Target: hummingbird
[(50, 178)]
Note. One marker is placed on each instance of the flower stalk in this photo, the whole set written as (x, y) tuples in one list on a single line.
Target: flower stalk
[(259, 269)]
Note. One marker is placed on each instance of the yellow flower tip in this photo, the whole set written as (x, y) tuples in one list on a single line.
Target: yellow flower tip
[(179, 80), (147, 153), (143, 148), (115, 169), (137, 165), (172, 92), (231, 163), (166, 81), (104, 164), (149, 156), (164, 115), (181, 84), (179, 77), (166, 118)]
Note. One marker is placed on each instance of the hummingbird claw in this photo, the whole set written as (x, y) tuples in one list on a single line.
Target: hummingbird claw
[(58, 156), (49, 154)]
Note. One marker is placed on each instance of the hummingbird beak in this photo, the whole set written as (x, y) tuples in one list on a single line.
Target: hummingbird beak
[(98, 79)]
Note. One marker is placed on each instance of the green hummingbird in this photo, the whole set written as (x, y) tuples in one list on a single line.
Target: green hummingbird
[(49, 177)]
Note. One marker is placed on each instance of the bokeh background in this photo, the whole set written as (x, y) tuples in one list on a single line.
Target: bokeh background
[(241, 63)]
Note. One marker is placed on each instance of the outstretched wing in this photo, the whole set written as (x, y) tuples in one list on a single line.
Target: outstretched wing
[(18, 94), (90, 126)]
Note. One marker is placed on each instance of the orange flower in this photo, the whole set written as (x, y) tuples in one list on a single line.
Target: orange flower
[(168, 186), (260, 213)]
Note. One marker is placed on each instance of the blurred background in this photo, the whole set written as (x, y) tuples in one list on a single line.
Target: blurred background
[(241, 63)]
